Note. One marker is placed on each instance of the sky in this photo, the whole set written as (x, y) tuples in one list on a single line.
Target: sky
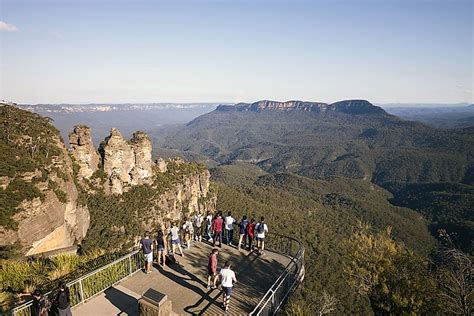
[(70, 51)]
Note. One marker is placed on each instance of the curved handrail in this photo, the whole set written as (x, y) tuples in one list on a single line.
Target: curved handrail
[(267, 305)]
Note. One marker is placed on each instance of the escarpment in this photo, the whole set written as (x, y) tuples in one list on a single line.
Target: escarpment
[(52, 198), (38, 197)]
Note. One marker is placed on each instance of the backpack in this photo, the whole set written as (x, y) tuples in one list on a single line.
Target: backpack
[(243, 226), (62, 300), (260, 228)]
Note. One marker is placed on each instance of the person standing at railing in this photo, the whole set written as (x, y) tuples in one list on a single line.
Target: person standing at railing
[(40, 303), (175, 241), (161, 248), (261, 228), (147, 247), (251, 232), (217, 228), (209, 226), (243, 232), (63, 300), (229, 228), (228, 281)]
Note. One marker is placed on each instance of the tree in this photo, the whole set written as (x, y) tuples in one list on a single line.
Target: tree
[(321, 304), (455, 276), (325, 304), (395, 279)]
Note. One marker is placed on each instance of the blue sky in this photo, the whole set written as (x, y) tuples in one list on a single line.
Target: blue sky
[(230, 51)]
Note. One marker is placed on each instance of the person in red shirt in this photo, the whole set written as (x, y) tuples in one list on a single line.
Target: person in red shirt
[(217, 228), (212, 269), (251, 232)]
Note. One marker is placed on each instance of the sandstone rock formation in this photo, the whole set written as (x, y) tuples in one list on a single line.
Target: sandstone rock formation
[(161, 164), (126, 162), (53, 213), (83, 150), (183, 200), (52, 219), (142, 171)]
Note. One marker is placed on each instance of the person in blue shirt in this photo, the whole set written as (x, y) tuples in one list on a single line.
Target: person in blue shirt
[(147, 247), (243, 232)]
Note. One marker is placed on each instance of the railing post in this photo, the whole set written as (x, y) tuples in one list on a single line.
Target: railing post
[(81, 291), (273, 303), (130, 264)]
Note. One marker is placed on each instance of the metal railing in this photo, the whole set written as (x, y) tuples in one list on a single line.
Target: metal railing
[(289, 280), (93, 283)]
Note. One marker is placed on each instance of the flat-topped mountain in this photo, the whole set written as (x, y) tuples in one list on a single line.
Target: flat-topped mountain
[(347, 106), (349, 139)]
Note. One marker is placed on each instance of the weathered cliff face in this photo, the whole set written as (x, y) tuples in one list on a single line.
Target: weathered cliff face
[(142, 171), (191, 196), (347, 106), (48, 196), (83, 150), (126, 163), (40, 193)]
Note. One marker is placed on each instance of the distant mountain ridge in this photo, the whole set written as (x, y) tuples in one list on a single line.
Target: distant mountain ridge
[(104, 107), (346, 106)]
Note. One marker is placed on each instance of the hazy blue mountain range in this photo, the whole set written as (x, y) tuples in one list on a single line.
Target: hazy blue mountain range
[(128, 118), (436, 115)]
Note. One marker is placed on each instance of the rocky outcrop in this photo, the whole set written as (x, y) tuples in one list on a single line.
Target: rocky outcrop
[(142, 171), (84, 151), (190, 196), (348, 107), (161, 164), (125, 162)]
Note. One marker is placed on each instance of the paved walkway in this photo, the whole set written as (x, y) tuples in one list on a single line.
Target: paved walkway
[(185, 284)]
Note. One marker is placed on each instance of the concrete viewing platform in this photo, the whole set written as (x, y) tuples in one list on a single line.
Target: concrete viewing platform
[(185, 284)]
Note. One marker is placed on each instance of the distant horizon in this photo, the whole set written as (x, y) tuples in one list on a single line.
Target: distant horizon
[(388, 104)]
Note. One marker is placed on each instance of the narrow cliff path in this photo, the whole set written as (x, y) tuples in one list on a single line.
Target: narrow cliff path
[(185, 284)]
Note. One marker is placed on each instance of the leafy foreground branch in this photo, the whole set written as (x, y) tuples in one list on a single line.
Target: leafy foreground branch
[(398, 281)]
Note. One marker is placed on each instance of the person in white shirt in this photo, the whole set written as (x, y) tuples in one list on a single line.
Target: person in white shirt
[(229, 228), (209, 226), (198, 219), (228, 280), (175, 241), (260, 229)]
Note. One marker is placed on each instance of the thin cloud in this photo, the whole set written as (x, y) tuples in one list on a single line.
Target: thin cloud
[(5, 27)]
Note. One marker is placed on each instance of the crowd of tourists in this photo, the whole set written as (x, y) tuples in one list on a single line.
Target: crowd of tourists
[(215, 229)]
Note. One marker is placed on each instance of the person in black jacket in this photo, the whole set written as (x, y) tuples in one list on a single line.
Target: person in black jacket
[(63, 301)]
